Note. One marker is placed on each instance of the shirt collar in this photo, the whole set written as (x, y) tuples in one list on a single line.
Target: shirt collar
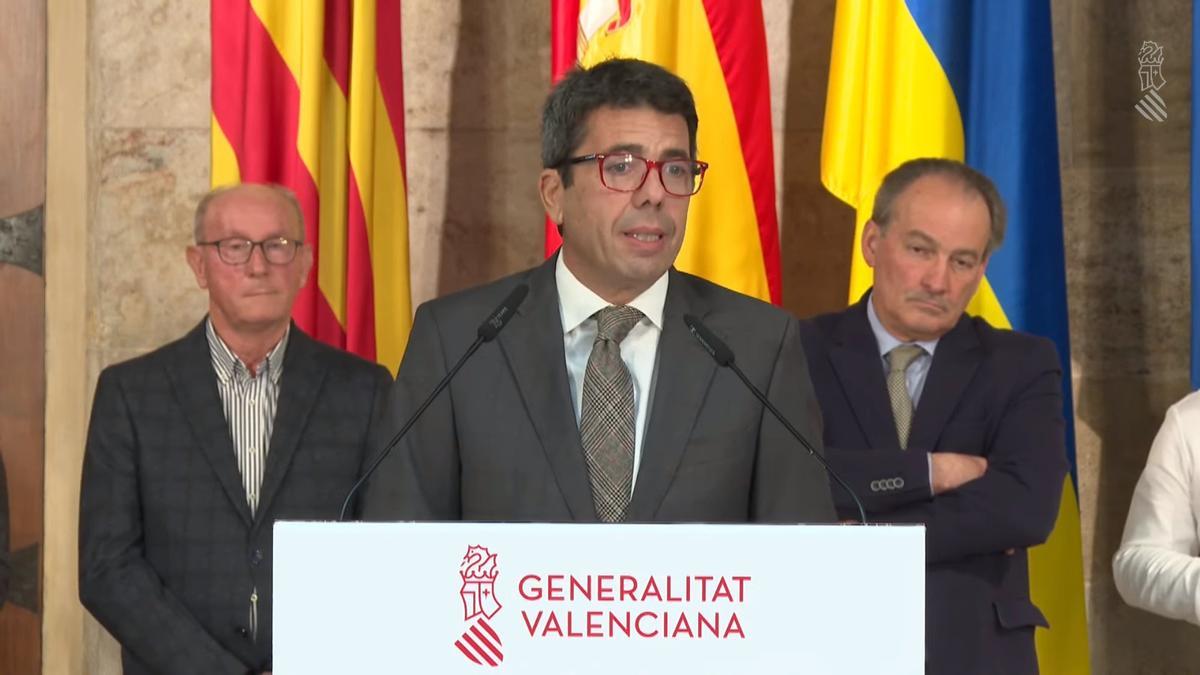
[(886, 341), (577, 303), (229, 366)]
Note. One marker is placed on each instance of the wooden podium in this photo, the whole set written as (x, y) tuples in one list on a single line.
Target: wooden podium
[(623, 599)]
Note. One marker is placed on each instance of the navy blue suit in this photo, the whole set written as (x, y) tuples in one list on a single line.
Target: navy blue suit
[(989, 392)]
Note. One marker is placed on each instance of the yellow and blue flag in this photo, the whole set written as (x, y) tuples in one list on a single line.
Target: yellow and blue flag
[(972, 81)]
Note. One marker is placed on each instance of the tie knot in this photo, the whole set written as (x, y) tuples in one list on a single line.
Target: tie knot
[(615, 322), (901, 357)]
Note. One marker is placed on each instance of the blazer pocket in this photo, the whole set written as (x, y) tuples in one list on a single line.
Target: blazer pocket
[(1014, 613)]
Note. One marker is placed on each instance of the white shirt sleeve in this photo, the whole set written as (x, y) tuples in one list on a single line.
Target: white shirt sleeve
[(1156, 567)]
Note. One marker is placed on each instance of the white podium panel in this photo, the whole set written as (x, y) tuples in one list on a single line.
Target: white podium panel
[(561, 598)]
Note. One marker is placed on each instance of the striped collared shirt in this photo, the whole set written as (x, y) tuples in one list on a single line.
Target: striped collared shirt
[(249, 404)]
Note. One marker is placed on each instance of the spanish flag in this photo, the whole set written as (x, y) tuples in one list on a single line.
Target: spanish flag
[(972, 81), (719, 48), (308, 94)]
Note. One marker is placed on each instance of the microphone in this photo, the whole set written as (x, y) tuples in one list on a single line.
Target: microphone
[(487, 331), (723, 355)]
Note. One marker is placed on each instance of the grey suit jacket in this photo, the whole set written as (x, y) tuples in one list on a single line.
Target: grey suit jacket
[(502, 442), (168, 549)]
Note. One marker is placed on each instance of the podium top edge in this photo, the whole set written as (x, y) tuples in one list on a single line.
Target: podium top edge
[(522, 523)]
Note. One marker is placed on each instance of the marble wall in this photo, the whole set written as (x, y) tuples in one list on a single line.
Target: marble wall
[(22, 320), (1125, 201), (475, 74), (474, 77)]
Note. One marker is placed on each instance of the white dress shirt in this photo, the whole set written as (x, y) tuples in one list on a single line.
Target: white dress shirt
[(249, 402), (639, 350), (1156, 567)]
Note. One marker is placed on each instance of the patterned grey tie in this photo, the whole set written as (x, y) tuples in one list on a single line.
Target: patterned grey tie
[(899, 360), (608, 413)]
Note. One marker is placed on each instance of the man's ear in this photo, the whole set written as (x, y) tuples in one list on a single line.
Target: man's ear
[(550, 190), (870, 241), (195, 260)]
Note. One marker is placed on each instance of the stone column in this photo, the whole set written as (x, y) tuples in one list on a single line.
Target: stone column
[(1125, 204), (22, 317)]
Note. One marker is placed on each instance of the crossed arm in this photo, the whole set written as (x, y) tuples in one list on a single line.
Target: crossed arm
[(975, 505)]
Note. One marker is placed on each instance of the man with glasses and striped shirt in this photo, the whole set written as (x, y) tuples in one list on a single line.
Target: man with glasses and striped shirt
[(195, 449)]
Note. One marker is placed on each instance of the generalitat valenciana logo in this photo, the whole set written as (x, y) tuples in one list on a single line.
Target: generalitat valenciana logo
[(479, 642)]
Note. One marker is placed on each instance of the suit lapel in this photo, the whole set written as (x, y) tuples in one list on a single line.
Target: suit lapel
[(533, 345), (955, 361), (855, 357), (303, 375), (195, 383), (683, 377)]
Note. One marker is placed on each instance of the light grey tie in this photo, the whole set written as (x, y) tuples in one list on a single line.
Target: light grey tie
[(899, 360), (608, 413)]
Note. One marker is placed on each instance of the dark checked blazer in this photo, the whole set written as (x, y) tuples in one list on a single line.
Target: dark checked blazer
[(502, 442), (168, 550), (993, 393)]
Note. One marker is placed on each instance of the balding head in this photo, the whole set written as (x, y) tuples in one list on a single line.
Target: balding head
[(210, 200)]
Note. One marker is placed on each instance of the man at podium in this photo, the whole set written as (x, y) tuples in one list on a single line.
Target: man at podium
[(595, 403), (936, 417)]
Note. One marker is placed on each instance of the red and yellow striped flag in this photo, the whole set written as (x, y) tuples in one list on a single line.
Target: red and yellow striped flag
[(719, 48), (309, 94)]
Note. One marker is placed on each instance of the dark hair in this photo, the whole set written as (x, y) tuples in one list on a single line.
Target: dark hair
[(899, 179), (619, 83)]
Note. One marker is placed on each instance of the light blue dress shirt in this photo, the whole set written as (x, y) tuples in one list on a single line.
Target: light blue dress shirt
[(918, 370)]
